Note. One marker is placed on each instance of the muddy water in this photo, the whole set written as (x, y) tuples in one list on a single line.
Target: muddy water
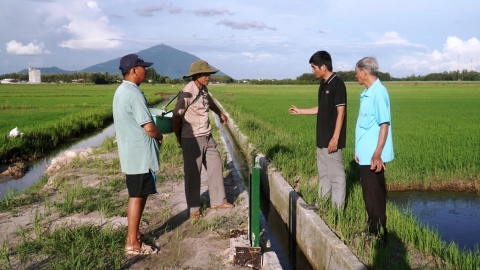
[(37, 168), (455, 215), (281, 241)]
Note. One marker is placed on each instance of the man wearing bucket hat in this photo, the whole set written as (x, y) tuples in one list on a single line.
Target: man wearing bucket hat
[(138, 142), (193, 131)]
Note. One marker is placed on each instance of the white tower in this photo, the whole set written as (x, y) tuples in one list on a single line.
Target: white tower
[(34, 75)]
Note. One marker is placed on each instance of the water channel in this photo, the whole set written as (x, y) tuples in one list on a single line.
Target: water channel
[(455, 215), (37, 168), (282, 242)]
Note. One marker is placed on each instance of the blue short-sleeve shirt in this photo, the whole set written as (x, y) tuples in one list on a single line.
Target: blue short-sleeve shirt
[(374, 111), (138, 152)]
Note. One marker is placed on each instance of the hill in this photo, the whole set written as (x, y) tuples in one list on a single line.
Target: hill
[(48, 70), (167, 61)]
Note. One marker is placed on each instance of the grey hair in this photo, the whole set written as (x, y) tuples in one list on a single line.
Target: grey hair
[(370, 64)]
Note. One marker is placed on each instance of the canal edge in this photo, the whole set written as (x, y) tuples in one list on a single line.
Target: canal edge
[(321, 246)]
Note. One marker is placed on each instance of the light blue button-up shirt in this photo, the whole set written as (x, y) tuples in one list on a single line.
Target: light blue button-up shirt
[(374, 111), (138, 152)]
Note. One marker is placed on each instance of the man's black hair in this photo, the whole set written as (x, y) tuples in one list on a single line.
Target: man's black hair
[(321, 58)]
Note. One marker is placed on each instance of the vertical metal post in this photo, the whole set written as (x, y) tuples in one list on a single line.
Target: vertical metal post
[(254, 198)]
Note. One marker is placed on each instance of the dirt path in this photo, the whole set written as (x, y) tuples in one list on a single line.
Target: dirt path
[(183, 243)]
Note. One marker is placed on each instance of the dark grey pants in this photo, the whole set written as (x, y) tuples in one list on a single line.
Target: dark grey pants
[(375, 197), (198, 151), (331, 174)]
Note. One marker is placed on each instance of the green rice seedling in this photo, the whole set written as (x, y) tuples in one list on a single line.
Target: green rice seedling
[(308, 191)]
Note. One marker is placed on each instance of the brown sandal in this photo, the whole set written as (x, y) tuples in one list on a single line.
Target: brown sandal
[(196, 215), (223, 206)]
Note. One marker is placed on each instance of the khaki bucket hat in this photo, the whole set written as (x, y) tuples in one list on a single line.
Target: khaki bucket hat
[(200, 66)]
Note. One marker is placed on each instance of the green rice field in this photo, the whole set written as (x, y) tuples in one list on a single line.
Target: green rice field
[(435, 126), (48, 114), (435, 133)]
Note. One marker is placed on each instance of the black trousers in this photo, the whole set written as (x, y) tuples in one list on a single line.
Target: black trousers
[(375, 197)]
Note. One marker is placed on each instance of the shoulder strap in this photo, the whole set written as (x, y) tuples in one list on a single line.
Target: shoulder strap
[(195, 100)]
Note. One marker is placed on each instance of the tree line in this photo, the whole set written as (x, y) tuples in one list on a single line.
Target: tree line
[(307, 78), (106, 78), (349, 76)]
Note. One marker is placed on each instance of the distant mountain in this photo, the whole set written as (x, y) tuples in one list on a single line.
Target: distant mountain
[(167, 61), (48, 70)]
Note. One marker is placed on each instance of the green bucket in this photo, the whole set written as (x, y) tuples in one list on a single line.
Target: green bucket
[(162, 119)]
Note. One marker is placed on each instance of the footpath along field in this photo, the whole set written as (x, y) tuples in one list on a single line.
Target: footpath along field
[(48, 114), (435, 133)]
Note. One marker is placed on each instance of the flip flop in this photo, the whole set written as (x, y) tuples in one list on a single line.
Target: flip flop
[(196, 215), (143, 250), (223, 206), (146, 237)]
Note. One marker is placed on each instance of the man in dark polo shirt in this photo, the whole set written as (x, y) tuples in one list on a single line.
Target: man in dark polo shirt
[(331, 128)]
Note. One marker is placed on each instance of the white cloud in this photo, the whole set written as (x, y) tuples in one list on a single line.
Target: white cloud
[(393, 38), (32, 48), (245, 25), (258, 57), (456, 54), (89, 27), (211, 12), (149, 10), (93, 5), (264, 55), (343, 66)]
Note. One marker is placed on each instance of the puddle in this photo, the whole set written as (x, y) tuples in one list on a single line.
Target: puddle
[(455, 215)]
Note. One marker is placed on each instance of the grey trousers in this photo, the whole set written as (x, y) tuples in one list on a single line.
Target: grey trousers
[(198, 151), (331, 174)]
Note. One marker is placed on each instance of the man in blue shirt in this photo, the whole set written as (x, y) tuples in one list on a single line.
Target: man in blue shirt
[(138, 142), (373, 144)]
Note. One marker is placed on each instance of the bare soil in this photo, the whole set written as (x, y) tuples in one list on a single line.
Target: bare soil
[(183, 243)]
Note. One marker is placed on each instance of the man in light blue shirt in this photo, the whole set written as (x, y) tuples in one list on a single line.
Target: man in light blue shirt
[(373, 144), (138, 142)]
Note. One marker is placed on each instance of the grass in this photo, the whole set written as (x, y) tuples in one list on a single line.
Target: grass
[(434, 149)]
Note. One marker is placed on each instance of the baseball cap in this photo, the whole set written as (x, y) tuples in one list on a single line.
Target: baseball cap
[(132, 60)]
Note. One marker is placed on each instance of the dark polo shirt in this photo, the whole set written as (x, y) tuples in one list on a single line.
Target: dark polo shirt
[(331, 94)]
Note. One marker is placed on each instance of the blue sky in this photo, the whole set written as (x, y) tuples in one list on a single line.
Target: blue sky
[(245, 39)]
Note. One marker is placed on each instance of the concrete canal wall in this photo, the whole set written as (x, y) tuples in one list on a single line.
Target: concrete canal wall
[(320, 245)]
